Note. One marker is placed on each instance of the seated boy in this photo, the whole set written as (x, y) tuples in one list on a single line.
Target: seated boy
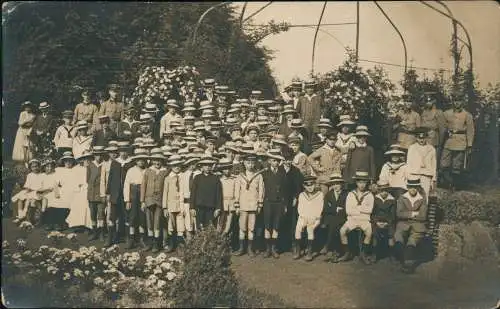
[(359, 206)]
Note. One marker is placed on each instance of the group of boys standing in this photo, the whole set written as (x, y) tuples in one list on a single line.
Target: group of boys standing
[(254, 167)]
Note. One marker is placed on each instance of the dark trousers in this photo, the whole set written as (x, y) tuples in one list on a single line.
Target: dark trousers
[(287, 229), (135, 216), (273, 212), (97, 211), (333, 224), (204, 217)]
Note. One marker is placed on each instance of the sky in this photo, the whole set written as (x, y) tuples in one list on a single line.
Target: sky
[(426, 32)]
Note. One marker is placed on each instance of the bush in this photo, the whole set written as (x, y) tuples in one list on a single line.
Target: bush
[(466, 207), (207, 279)]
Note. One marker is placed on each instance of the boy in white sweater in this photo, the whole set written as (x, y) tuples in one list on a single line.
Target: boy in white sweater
[(359, 206), (310, 207)]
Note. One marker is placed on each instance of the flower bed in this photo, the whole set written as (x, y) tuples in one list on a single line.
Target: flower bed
[(129, 275)]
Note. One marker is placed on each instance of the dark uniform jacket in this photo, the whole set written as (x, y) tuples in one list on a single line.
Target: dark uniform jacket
[(330, 214), (384, 210), (116, 179), (274, 186), (206, 192), (94, 182), (293, 184), (102, 139)]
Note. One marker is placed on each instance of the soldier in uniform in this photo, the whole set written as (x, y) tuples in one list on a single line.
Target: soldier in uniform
[(86, 110), (409, 120), (460, 136), (128, 123), (432, 118), (309, 108), (112, 107)]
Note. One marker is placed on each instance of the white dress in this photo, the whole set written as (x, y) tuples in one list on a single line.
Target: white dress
[(80, 144), (79, 209), (22, 150), (65, 179)]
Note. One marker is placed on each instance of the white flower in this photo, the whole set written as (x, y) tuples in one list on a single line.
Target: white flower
[(157, 271), (66, 276), (171, 275), (71, 236), (161, 283)]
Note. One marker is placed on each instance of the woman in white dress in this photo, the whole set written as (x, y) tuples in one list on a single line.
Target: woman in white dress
[(82, 141), (79, 210), (59, 199), (23, 148)]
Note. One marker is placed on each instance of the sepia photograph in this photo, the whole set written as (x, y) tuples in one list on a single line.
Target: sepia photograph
[(251, 154)]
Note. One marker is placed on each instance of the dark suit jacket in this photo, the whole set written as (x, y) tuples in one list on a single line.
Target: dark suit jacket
[(330, 215), (274, 185), (116, 178), (293, 184), (101, 139)]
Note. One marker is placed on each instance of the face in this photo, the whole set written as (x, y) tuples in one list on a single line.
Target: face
[(145, 128), (86, 97), (49, 168), (252, 135), (337, 186), (394, 159), (361, 184), (384, 193), (98, 157), (309, 187), (457, 105), (68, 163), (361, 139), (156, 163), (123, 154), (249, 164), (105, 125), (330, 142), (251, 116), (210, 146), (345, 129), (309, 91), (113, 94), (176, 169), (205, 168), (261, 111), (226, 172), (274, 162), (289, 117), (295, 147), (82, 132), (421, 140), (113, 155), (323, 131), (141, 163), (287, 163), (67, 121), (35, 168), (412, 190)]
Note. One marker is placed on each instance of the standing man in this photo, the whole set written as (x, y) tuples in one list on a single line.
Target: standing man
[(310, 107), (460, 137), (112, 107), (409, 120), (329, 158), (86, 110), (432, 118)]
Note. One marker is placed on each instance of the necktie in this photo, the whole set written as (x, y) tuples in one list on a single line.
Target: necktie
[(177, 182)]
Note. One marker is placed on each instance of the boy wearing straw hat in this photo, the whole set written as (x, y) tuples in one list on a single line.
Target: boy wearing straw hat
[(309, 208), (187, 178), (128, 123), (383, 218), (361, 158), (172, 108), (173, 200), (359, 206), (300, 159), (96, 202), (104, 134), (395, 171), (412, 216), (334, 216), (274, 200), (151, 198), (136, 219), (422, 162), (63, 138), (228, 182), (206, 194), (249, 199), (345, 139), (329, 160)]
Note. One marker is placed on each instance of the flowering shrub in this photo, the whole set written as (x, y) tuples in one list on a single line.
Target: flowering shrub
[(159, 82), (352, 91)]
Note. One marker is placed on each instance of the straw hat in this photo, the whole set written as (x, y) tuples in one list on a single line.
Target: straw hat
[(421, 132), (394, 152), (224, 163), (98, 150), (67, 155), (247, 148), (294, 140), (145, 118), (67, 114), (382, 184), (150, 108), (140, 153), (361, 175), (288, 109), (207, 160), (103, 118), (175, 160), (157, 155), (413, 182), (310, 180), (172, 103), (296, 123), (82, 124), (256, 93), (85, 155), (33, 161), (275, 153), (335, 178), (324, 123), (209, 82), (43, 105), (362, 131), (279, 139), (345, 120)]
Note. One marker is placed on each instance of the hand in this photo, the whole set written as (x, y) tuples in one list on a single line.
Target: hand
[(259, 209), (108, 198), (165, 212), (414, 214), (128, 205), (193, 212), (143, 206), (216, 213), (339, 209), (294, 202), (322, 226), (285, 211), (237, 211)]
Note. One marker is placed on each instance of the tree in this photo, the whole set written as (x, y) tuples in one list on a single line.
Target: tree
[(53, 48)]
